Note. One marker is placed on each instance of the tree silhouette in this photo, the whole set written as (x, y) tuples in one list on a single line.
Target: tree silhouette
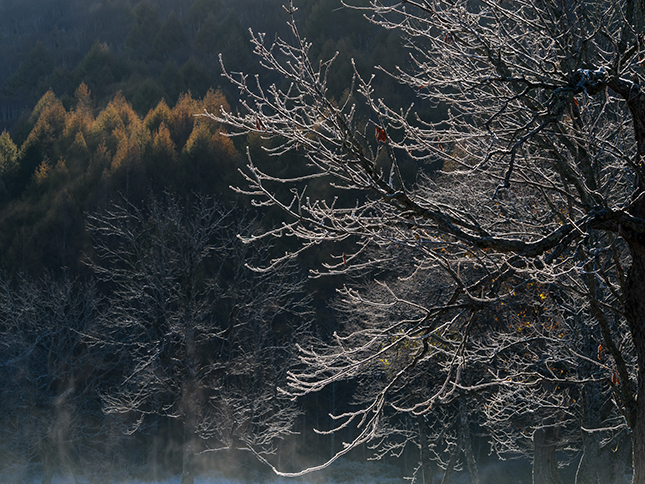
[(198, 331)]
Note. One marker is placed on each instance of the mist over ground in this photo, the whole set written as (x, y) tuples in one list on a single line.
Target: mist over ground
[(341, 472)]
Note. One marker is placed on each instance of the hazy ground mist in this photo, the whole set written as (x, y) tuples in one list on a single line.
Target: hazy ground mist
[(343, 472)]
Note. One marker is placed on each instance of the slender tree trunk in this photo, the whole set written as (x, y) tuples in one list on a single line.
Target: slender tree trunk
[(467, 442), (586, 472), (617, 457), (333, 411), (48, 464), (598, 464), (190, 402), (426, 476), (451, 464), (188, 452), (545, 463)]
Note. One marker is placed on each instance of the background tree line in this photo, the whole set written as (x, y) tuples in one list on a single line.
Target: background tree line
[(153, 49), (173, 352), (73, 163)]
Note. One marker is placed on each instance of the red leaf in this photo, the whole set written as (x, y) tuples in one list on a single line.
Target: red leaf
[(380, 135), (599, 351), (614, 379)]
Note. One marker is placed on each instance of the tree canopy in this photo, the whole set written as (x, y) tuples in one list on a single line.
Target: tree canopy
[(541, 144)]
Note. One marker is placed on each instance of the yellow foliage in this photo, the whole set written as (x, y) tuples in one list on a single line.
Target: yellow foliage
[(200, 139), (124, 110), (81, 119), (51, 123), (128, 151), (42, 172), (203, 140), (8, 154), (75, 124), (60, 172), (163, 145), (117, 115), (82, 114), (224, 145), (79, 145), (122, 129), (48, 128), (182, 119), (213, 103), (101, 160), (47, 100), (78, 154), (157, 116), (83, 101), (107, 121)]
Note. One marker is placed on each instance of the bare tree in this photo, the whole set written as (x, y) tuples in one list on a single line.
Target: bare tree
[(542, 138), (439, 439), (51, 379), (207, 340), (538, 350)]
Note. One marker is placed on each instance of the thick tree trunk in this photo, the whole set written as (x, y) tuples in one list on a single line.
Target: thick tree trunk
[(635, 306), (634, 294), (590, 468), (545, 463)]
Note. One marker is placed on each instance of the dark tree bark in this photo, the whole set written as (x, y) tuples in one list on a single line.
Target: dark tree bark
[(452, 462), (188, 451), (634, 294), (424, 461), (467, 440), (545, 462)]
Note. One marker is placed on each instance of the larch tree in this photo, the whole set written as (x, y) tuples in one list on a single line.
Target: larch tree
[(541, 135)]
